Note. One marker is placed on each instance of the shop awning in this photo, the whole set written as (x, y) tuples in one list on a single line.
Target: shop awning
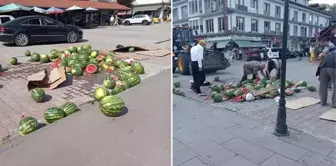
[(73, 8), (39, 10), (14, 7), (91, 9), (146, 8), (54, 10)]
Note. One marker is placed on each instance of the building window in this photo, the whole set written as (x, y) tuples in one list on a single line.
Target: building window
[(277, 10), (304, 17), (278, 27), (317, 20), (209, 25), (302, 32), (267, 7), (267, 25), (296, 15), (200, 5), (195, 6), (240, 2), (184, 12), (295, 30), (254, 4), (194, 24), (311, 18), (240, 23), (175, 14), (190, 7), (310, 32), (254, 25), (221, 24)]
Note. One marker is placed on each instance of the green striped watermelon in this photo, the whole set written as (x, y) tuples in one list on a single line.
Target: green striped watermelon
[(53, 114), (120, 87), (100, 93), (111, 105), (109, 82), (138, 68), (38, 94), (27, 125), (134, 80), (69, 108)]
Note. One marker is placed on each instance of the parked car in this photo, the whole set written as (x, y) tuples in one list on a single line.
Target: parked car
[(5, 18), (276, 52), (253, 54), (32, 29), (138, 19)]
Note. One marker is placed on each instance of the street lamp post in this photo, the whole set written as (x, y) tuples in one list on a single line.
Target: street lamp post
[(281, 126)]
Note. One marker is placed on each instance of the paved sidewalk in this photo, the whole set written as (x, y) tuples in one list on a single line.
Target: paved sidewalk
[(88, 138), (211, 136)]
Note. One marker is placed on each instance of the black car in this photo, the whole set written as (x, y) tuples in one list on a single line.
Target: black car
[(32, 29)]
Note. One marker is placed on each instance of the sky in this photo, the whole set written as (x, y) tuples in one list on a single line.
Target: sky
[(324, 1)]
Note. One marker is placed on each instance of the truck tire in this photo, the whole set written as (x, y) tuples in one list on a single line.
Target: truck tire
[(183, 62)]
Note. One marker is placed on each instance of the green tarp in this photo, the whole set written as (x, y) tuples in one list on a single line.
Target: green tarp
[(247, 44), (240, 43)]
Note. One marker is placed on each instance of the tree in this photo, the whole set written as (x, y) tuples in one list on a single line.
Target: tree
[(127, 3)]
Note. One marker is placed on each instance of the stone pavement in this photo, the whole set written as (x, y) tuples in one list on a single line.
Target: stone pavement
[(210, 136), (141, 137), (15, 98), (305, 119)]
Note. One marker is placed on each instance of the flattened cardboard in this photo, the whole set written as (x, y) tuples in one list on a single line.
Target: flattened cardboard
[(265, 90), (131, 56), (46, 80), (156, 53), (301, 103), (330, 115)]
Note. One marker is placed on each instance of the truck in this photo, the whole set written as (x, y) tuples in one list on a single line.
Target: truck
[(183, 40)]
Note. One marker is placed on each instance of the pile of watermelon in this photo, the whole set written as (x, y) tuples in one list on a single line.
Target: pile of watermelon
[(78, 60), (177, 91), (242, 92)]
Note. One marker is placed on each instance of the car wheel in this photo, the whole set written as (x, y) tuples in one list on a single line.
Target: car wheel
[(72, 37), (21, 39), (127, 23), (144, 22)]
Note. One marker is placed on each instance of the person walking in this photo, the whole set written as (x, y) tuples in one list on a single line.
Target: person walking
[(196, 53), (273, 64), (253, 67), (327, 70), (311, 52), (116, 20)]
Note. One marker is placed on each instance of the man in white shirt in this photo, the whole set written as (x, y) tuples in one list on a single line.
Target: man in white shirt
[(112, 20), (196, 53)]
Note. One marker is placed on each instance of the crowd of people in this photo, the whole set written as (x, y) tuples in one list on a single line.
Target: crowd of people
[(326, 71)]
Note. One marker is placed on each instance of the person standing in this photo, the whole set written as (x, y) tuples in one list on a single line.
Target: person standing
[(311, 52), (240, 57), (253, 67), (196, 53), (327, 70), (112, 20)]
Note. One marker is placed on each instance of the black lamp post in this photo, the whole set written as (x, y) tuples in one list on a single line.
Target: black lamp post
[(281, 126)]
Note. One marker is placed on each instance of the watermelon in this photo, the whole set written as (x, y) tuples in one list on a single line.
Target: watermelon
[(213, 94), (35, 57), (120, 87), (38, 94), (13, 61), (83, 57), (216, 78), (177, 84), (100, 93), (27, 125), (76, 71), (44, 58), (132, 49), (86, 47), (311, 88), (218, 98), (111, 105), (238, 92), (94, 54), (138, 68), (91, 68), (69, 108), (27, 53), (53, 114), (109, 82), (72, 49), (133, 80), (229, 93), (303, 83), (296, 90), (216, 88)]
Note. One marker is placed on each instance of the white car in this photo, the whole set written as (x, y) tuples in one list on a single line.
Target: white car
[(273, 53), (138, 19), (5, 18)]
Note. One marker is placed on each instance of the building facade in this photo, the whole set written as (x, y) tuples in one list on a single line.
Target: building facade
[(258, 19), (157, 8)]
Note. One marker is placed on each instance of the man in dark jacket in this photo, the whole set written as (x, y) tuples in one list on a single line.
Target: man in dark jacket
[(327, 71)]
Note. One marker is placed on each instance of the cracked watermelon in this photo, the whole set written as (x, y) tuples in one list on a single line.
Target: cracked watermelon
[(27, 125), (120, 87), (38, 94), (111, 105), (69, 108), (53, 114), (91, 68)]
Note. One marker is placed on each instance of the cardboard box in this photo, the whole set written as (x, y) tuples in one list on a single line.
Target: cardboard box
[(47, 80)]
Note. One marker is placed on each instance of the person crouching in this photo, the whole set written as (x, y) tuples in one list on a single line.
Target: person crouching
[(273, 64), (253, 67)]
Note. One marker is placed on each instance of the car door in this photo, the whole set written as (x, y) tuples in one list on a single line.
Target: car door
[(136, 19), (34, 30), (56, 31)]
